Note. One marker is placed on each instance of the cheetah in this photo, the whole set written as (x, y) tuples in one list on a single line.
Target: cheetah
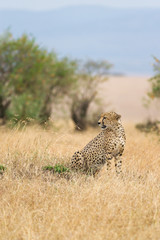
[(108, 144)]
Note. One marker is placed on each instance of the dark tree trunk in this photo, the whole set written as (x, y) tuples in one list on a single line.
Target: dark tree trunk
[(4, 104), (79, 112), (46, 110)]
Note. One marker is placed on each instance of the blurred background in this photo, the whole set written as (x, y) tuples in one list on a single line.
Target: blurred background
[(78, 58)]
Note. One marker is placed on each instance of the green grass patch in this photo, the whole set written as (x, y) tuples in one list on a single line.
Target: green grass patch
[(48, 168), (2, 169), (58, 168)]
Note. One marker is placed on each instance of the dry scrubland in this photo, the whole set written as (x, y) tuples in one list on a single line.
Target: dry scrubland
[(41, 206)]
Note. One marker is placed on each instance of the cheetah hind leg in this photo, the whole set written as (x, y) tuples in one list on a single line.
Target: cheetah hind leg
[(77, 161)]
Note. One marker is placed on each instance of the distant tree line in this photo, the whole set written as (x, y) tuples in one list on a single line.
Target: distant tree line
[(32, 78)]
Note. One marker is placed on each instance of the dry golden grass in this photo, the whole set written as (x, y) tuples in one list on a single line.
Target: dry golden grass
[(40, 206)]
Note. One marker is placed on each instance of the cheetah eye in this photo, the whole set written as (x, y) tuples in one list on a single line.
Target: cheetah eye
[(104, 117)]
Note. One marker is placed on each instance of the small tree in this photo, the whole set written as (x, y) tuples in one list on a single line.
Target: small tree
[(30, 77), (90, 75)]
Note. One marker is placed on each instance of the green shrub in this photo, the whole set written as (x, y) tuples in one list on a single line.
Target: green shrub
[(149, 126)]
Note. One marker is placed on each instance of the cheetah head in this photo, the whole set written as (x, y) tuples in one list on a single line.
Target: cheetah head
[(109, 120)]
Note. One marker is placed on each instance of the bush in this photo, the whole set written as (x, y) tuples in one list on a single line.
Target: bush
[(149, 126)]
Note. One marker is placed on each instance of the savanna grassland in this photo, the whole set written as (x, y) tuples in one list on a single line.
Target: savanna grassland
[(37, 205)]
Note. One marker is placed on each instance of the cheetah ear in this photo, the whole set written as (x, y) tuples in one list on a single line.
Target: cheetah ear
[(118, 117)]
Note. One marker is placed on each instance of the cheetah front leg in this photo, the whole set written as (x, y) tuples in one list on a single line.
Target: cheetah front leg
[(108, 160), (118, 164)]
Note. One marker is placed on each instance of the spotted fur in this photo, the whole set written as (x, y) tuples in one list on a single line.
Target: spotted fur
[(108, 144)]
